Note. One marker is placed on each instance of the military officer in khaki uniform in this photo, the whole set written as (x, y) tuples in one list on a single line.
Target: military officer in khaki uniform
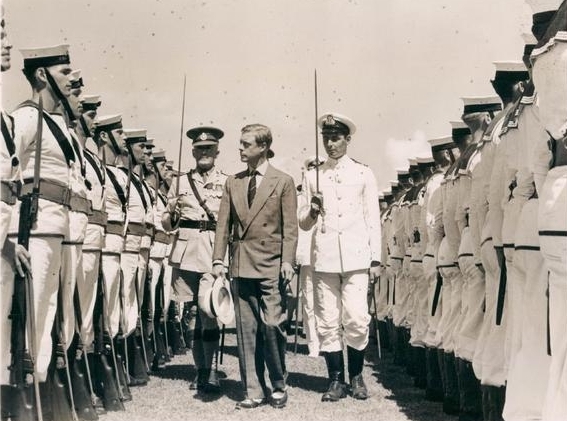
[(194, 212)]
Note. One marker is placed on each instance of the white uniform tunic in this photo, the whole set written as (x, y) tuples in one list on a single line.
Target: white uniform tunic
[(342, 254)]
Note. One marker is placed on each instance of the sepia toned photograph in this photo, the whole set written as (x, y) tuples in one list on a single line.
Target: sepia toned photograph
[(316, 209)]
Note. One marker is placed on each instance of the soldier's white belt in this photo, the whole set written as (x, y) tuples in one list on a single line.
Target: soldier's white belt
[(98, 217), (59, 193), (162, 237), (9, 192), (115, 227)]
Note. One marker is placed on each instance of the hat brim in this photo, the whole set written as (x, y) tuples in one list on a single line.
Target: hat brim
[(204, 298), (207, 142), (221, 301)]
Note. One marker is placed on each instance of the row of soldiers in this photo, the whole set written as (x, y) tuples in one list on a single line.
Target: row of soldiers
[(85, 281), (474, 298)]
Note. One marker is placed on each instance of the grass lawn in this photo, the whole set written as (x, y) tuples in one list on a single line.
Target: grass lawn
[(167, 396)]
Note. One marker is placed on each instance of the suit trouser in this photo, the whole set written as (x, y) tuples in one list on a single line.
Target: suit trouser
[(553, 242), (308, 295), (261, 339), (529, 362), (111, 272), (341, 309)]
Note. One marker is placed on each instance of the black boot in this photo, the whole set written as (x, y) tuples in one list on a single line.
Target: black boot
[(200, 381), (136, 365), (470, 399), (104, 378), (355, 365), (81, 394), (420, 380), (336, 369), (434, 388), (451, 398)]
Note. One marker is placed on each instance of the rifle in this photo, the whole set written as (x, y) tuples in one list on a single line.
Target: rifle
[(297, 310), (139, 322), (22, 366)]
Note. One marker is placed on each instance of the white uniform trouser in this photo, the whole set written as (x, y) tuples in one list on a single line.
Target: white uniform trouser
[(87, 285), (430, 272), (514, 293), (5, 216), (72, 272), (308, 304), (111, 272), (6, 291), (472, 306), (529, 364), (341, 303), (417, 277), (45, 264), (401, 295), (553, 243), (408, 308), (129, 263), (155, 264), (489, 359), (382, 295)]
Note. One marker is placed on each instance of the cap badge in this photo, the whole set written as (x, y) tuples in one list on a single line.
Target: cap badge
[(203, 136), (330, 121)]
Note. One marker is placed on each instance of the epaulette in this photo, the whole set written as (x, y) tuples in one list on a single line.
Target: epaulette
[(358, 162), (489, 132), (511, 118)]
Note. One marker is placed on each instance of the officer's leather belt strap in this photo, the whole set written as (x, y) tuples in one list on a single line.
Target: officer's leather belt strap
[(9, 191), (162, 237), (60, 194), (115, 227), (136, 228), (98, 217), (200, 225)]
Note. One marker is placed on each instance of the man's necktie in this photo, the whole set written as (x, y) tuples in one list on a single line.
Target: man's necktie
[(252, 187)]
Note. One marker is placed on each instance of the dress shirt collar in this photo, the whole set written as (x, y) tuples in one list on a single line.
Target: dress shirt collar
[(338, 163), (261, 169)]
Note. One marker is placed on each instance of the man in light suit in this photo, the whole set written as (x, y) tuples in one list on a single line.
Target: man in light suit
[(347, 250), (258, 212)]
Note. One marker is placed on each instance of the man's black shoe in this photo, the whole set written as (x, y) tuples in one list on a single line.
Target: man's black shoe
[(250, 403), (358, 388), (278, 399), (213, 383), (134, 381), (336, 391)]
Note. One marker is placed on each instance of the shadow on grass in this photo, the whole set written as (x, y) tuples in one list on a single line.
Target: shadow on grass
[(308, 382), (410, 399)]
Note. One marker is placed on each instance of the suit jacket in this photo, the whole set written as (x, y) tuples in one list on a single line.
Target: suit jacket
[(263, 236)]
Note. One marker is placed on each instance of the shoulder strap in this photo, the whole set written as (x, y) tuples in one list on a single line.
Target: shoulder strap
[(60, 137), (136, 182), (202, 203), (147, 189), (8, 136), (92, 160), (118, 188)]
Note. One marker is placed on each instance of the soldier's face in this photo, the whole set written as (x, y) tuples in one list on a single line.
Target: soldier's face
[(89, 118), (205, 156), (148, 160), (138, 150), (335, 144), (61, 74), (75, 101), (6, 45), (160, 168)]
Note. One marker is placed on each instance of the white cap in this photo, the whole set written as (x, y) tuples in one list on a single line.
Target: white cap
[(412, 162), (158, 155), (402, 171), (479, 104), (75, 75), (428, 160), (328, 121), (46, 56), (91, 102), (394, 183), (109, 120), (440, 143), (510, 66), (135, 135), (539, 6)]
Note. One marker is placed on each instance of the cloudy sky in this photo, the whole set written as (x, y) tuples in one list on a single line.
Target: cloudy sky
[(396, 67)]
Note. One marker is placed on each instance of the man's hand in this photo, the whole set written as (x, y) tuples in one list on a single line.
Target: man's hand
[(218, 270), (375, 273), (287, 271), (316, 205), (173, 206), (19, 255)]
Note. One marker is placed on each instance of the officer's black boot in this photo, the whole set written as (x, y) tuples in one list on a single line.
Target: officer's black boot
[(434, 388), (355, 365), (174, 332), (336, 369)]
